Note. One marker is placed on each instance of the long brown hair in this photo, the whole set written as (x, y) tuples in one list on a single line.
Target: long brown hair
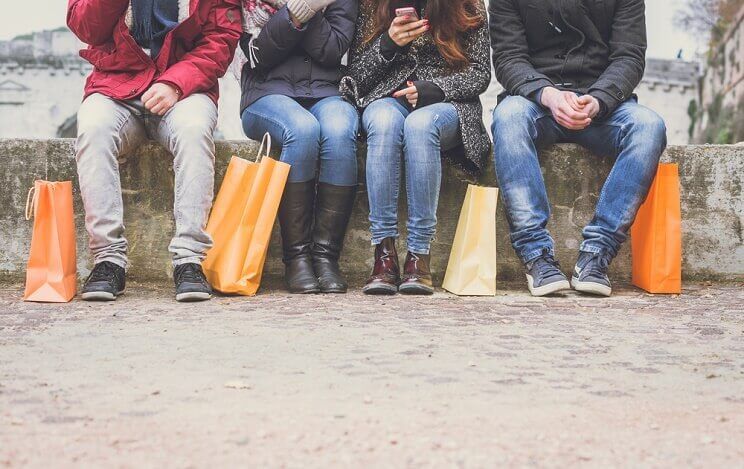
[(449, 20)]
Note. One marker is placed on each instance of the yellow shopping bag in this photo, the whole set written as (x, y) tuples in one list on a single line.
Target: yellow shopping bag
[(51, 273), (242, 220), (471, 270)]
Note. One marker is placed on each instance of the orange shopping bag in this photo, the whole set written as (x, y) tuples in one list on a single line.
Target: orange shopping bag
[(656, 235), (241, 221), (51, 273)]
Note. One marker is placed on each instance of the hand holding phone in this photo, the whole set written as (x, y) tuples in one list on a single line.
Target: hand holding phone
[(407, 26)]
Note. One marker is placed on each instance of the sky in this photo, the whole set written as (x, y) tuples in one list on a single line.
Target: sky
[(664, 39)]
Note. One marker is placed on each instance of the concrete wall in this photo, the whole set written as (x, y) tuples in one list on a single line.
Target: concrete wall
[(712, 203)]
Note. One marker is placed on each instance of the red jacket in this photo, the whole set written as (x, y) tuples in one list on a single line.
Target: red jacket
[(194, 55)]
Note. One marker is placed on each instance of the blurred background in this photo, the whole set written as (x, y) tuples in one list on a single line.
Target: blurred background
[(694, 76)]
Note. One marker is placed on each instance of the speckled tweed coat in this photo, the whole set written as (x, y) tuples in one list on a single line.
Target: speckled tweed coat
[(371, 77)]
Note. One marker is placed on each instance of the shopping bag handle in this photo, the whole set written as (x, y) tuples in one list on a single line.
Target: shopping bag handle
[(265, 142), (30, 203)]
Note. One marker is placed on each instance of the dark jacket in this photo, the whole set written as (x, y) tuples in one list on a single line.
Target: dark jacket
[(194, 54), (589, 46), (372, 76), (299, 63)]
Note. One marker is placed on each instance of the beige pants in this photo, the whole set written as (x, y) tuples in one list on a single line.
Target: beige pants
[(107, 129)]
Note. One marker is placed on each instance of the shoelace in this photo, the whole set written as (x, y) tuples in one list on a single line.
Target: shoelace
[(548, 266), (190, 274), (103, 272), (596, 267)]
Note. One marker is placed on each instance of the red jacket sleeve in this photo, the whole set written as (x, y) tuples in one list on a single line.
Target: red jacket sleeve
[(93, 21), (199, 69)]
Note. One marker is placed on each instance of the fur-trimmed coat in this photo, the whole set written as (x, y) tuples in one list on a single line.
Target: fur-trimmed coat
[(371, 77)]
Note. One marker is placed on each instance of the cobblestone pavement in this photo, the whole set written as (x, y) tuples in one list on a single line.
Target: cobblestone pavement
[(319, 381)]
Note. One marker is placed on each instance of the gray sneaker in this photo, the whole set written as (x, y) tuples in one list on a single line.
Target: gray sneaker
[(590, 274), (544, 276)]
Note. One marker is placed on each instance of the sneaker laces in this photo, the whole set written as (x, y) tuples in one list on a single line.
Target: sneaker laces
[(548, 266), (103, 272), (190, 273), (597, 266)]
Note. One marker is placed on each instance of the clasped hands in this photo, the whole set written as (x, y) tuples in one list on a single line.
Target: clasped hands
[(569, 110)]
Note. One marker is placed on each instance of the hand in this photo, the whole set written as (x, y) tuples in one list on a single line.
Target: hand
[(160, 98), (411, 94), (590, 104), (403, 31), (566, 108), (303, 11)]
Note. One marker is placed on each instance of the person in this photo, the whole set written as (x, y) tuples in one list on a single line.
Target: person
[(290, 90), (569, 70), (156, 65), (417, 78)]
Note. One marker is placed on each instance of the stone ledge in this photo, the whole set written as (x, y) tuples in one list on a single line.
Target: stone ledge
[(712, 204)]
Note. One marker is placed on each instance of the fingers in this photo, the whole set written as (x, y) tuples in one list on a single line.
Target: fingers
[(574, 102), (568, 110), (584, 100), (571, 124), (147, 95), (403, 31), (405, 92), (413, 25), (152, 101), (412, 99)]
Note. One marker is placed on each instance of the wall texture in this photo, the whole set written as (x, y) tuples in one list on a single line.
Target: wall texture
[(712, 204)]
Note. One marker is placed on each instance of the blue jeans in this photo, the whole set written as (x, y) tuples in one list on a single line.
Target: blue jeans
[(324, 133), (393, 135), (633, 135)]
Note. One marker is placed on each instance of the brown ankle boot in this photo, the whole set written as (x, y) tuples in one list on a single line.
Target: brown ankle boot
[(386, 271), (416, 275)]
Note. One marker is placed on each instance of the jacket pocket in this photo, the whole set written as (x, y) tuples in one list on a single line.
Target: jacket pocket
[(229, 16)]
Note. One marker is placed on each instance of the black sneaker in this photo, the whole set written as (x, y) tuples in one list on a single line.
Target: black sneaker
[(191, 284), (105, 282), (590, 274), (544, 276)]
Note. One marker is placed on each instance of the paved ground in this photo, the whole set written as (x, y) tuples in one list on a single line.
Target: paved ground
[(635, 381)]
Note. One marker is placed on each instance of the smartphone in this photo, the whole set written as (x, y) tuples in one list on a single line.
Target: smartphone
[(407, 11)]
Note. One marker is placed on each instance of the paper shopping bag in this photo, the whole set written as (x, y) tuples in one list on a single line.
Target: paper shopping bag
[(51, 273), (471, 270), (656, 236), (242, 220)]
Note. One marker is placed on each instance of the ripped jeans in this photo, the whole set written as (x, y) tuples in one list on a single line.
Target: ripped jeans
[(394, 135)]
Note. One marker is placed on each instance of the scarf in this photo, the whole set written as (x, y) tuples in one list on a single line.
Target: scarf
[(152, 20), (256, 13)]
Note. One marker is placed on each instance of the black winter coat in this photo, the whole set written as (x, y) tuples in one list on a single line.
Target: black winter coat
[(589, 46), (299, 63)]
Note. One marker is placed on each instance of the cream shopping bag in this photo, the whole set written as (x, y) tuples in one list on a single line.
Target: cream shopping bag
[(471, 270)]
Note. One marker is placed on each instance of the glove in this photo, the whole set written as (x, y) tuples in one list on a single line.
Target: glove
[(304, 10)]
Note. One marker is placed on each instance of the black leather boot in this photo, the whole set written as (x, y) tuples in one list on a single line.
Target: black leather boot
[(295, 220), (332, 213)]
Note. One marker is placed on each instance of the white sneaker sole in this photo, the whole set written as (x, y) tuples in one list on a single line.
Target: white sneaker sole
[(591, 287), (547, 289), (191, 297), (100, 296)]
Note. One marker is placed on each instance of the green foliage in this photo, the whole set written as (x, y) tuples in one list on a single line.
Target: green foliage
[(692, 111)]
